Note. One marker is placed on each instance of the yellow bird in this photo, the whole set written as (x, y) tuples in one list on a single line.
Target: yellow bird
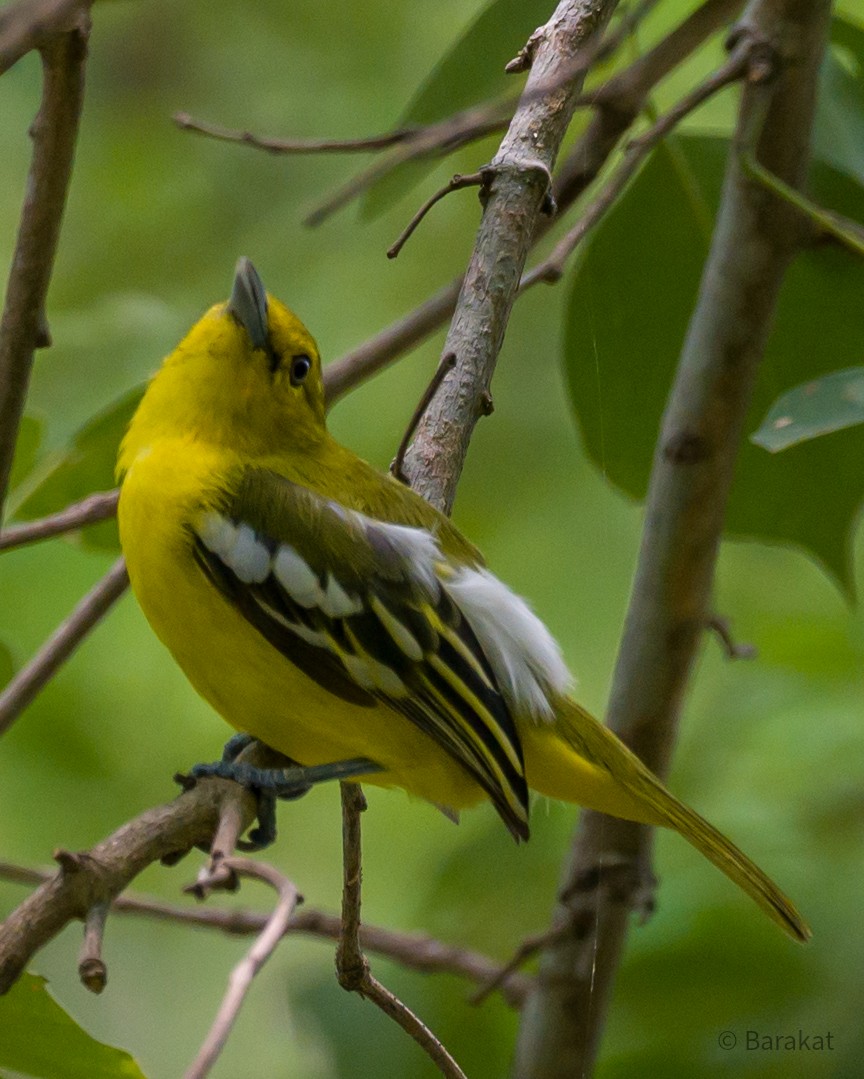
[(332, 613)]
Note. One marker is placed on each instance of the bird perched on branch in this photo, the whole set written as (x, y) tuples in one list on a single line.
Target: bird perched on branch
[(332, 613)]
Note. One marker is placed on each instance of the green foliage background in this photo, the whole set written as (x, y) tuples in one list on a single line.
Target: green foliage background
[(771, 750)]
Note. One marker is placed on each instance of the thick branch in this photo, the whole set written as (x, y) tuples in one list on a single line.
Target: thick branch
[(24, 328), (86, 880), (755, 237), (623, 97), (30, 24), (519, 189)]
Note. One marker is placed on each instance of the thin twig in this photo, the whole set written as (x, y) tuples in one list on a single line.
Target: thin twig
[(484, 119), (441, 370), (293, 146), (455, 183), (90, 510), (91, 966), (415, 951), (433, 141), (61, 644), (526, 950), (848, 232), (243, 974), (732, 648), (736, 67), (352, 967), (24, 326), (623, 98)]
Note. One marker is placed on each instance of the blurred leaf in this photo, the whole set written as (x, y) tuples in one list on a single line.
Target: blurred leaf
[(26, 449), (838, 137), (471, 72), (628, 311), (38, 1038), (86, 466), (818, 407)]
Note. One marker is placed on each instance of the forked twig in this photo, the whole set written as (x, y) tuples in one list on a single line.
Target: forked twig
[(352, 967)]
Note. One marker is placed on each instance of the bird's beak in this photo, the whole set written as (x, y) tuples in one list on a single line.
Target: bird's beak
[(248, 303)]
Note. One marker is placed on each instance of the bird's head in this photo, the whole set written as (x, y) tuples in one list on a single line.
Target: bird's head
[(246, 376)]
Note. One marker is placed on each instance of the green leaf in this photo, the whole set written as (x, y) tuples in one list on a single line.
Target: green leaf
[(86, 466), (26, 450), (818, 407), (628, 310), (838, 137), (471, 72), (38, 1038)]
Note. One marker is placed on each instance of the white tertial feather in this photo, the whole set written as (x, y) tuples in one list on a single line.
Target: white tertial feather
[(336, 603), (417, 546), (296, 577), (249, 558), (217, 534), (524, 657)]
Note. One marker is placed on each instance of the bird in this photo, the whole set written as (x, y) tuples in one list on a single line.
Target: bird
[(329, 611)]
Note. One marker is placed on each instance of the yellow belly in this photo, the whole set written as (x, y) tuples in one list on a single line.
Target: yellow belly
[(248, 681)]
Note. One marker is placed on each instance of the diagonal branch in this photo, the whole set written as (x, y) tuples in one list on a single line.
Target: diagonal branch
[(618, 103), (90, 510), (244, 973), (24, 327), (755, 237), (521, 177), (61, 644)]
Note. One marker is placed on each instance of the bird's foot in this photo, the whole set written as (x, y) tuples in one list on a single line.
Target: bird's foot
[(268, 784)]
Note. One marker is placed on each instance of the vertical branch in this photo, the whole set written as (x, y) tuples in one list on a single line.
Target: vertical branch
[(24, 327), (755, 237), (518, 192)]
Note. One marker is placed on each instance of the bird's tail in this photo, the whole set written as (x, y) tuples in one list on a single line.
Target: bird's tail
[(653, 803)]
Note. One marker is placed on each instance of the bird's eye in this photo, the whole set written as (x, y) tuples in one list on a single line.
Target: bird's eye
[(300, 368)]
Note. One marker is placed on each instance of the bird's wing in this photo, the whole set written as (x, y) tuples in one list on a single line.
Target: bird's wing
[(372, 611)]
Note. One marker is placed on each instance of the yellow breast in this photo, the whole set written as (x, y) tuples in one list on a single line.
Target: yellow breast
[(251, 684)]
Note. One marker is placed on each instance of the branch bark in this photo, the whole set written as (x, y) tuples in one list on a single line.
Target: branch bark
[(520, 186), (24, 327), (755, 237)]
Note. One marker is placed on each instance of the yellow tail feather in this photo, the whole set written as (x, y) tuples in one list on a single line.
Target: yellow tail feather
[(603, 774)]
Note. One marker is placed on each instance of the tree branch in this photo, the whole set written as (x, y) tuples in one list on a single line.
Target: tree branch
[(30, 24), (520, 184), (90, 510), (618, 103), (61, 644), (85, 880), (24, 327), (243, 974), (414, 951), (755, 237), (352, 967)]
